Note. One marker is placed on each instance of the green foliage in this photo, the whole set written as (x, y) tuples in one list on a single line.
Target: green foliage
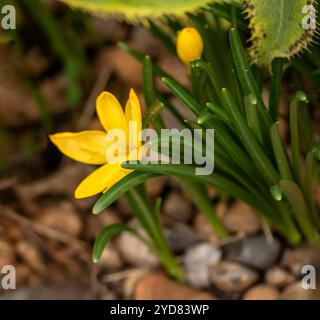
[(134, 10), (276, 29), (277, 34)]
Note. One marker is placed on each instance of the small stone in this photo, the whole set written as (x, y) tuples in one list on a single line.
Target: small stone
[(62, 217), (279, 277), (204, 229), (155, 186), (180, 237), (262, 292), (295, 291), (131, 281), (157, 286), (232, 277), (7, 256), (242, 219), (295, 259), (134, 251), (31, 256), (177, 207), (198, 261), (254, 251), (110, 258)]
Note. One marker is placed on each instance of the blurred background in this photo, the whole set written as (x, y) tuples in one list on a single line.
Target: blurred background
[(53, 66)]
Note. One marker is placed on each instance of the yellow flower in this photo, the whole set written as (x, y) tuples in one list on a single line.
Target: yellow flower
[(189, 45), (91, 146)]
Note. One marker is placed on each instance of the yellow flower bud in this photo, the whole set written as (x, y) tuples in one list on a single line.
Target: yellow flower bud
[(189, 45)]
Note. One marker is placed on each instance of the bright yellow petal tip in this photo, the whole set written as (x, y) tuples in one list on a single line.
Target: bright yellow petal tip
[(189, 45), (110, 112)]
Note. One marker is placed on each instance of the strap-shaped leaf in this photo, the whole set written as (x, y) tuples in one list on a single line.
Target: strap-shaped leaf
[(297, 201), (105, 236), (120, 188)]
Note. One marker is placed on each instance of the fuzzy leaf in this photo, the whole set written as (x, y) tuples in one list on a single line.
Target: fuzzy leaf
[(133, 10), (277, 30)]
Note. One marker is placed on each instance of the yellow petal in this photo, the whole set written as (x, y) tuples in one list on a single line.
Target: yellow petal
[(97, 181), (86, 146), (133, 116), (110, 112), (121, 174)]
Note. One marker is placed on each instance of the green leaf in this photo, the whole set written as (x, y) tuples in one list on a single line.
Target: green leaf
[(255, 150), (277, 29), (105, 236), (134, 10), (217, 180), (295, 196), (120, 188), (148, 83), (183, 95), (280, 153), (275, 88), (276, 192), (294, 134), (247, 80)]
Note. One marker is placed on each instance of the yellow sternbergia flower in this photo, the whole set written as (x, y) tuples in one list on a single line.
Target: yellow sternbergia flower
[(92, 146), (189, 45)]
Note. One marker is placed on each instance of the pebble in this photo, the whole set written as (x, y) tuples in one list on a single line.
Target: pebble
[(62, 217), (242, 219), (157, 286), (254, 251), (177, 207), (180, 237), (296, 292), (204, 229), (232, 277), (279, 277), (134, 251), (131, 281), (295, 259), (110, 258), (198, 261), (155, 186), (262, 292)]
